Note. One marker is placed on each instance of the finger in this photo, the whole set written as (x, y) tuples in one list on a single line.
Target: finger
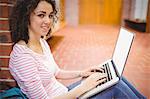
[(101, 76), (97, 70), (101, 80), (98, 76), (101, 68), (88, 74), (95, 76)]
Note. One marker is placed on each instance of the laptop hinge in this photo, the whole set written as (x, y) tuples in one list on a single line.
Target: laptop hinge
[(115, 69)]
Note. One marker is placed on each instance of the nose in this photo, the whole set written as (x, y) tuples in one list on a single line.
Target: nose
[(47, 20)]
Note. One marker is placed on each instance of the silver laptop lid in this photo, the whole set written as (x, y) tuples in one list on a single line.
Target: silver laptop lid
[(122, 49)]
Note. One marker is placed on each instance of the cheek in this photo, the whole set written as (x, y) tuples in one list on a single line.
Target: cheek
[(35, 27), (35, 24)]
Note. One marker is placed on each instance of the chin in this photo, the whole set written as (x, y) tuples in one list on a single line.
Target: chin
[(44, 33)]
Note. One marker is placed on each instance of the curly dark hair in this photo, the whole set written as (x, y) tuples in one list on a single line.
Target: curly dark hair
[(20, 15)]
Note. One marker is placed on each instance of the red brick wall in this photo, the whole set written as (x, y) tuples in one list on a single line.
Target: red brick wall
[(148, 18), (6, 80)]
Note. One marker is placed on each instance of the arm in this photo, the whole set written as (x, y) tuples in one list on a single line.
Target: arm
[(65, 74), (24, 70), (89, 83), (73, 94)]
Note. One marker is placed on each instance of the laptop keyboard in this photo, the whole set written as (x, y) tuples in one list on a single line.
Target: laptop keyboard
[(106, 70)]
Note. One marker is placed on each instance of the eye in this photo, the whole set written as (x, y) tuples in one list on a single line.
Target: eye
[(41, 15), (51, 16)]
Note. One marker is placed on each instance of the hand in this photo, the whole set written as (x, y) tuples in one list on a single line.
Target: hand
[(91, 70), (92, 81)]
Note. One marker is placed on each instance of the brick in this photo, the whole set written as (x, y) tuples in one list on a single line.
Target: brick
[(4, 85), (5, 37), (5, 74), (4, 62), (4, 25), (8, 1), (5, 50), (4, 1), (9, 10), (5, 10)]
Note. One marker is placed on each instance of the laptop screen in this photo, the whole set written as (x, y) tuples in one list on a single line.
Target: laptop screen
[(122, 49)]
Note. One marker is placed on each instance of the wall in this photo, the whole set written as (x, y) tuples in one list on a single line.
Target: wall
[(148, 18), (100, 12), (71, 12), (135, 9), (6, 79), (141, 9)]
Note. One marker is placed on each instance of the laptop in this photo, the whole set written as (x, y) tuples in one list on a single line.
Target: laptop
[(114, 67)]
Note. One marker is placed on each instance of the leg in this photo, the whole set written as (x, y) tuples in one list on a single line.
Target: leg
[(122, 90), (118, 91), (133, 89), (74, 85)]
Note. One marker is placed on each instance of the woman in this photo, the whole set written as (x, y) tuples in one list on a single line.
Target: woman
[(32, 64)]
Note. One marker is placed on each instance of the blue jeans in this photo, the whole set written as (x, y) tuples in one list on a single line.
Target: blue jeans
[(122, 90)]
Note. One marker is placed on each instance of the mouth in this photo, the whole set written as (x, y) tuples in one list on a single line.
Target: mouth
[(45, 28)]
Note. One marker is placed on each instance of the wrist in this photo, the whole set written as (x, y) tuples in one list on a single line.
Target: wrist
[(81, 90), (80, 74)]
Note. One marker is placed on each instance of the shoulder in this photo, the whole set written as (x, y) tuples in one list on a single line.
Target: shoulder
[(19, 49), (20, 58), (21, 42), (20, 52)]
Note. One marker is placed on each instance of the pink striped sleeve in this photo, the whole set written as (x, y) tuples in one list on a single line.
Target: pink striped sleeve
[(25, 71)]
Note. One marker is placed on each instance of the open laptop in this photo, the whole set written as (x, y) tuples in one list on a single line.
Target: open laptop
[(114, 67)]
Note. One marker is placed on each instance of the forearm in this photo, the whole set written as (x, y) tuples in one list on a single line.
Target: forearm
[(72, 94), (86, 85), (63, 74)]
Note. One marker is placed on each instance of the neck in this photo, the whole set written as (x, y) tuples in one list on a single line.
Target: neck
[(34, 42), (33, 37), (35, 45)]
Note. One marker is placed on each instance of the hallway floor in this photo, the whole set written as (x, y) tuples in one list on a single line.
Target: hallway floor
[(76, 48)]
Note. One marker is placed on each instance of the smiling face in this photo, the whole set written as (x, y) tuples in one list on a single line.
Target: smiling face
[(40, 20)]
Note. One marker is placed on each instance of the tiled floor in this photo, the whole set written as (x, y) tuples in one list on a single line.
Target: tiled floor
[(76, 48)]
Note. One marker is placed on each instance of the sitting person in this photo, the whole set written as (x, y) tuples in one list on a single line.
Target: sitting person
[(32, 64)]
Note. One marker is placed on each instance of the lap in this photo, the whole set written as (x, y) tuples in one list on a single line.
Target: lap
[(122, 90), (118, 91)]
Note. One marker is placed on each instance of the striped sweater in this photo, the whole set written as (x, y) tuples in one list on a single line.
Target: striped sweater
[(35, 73)]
